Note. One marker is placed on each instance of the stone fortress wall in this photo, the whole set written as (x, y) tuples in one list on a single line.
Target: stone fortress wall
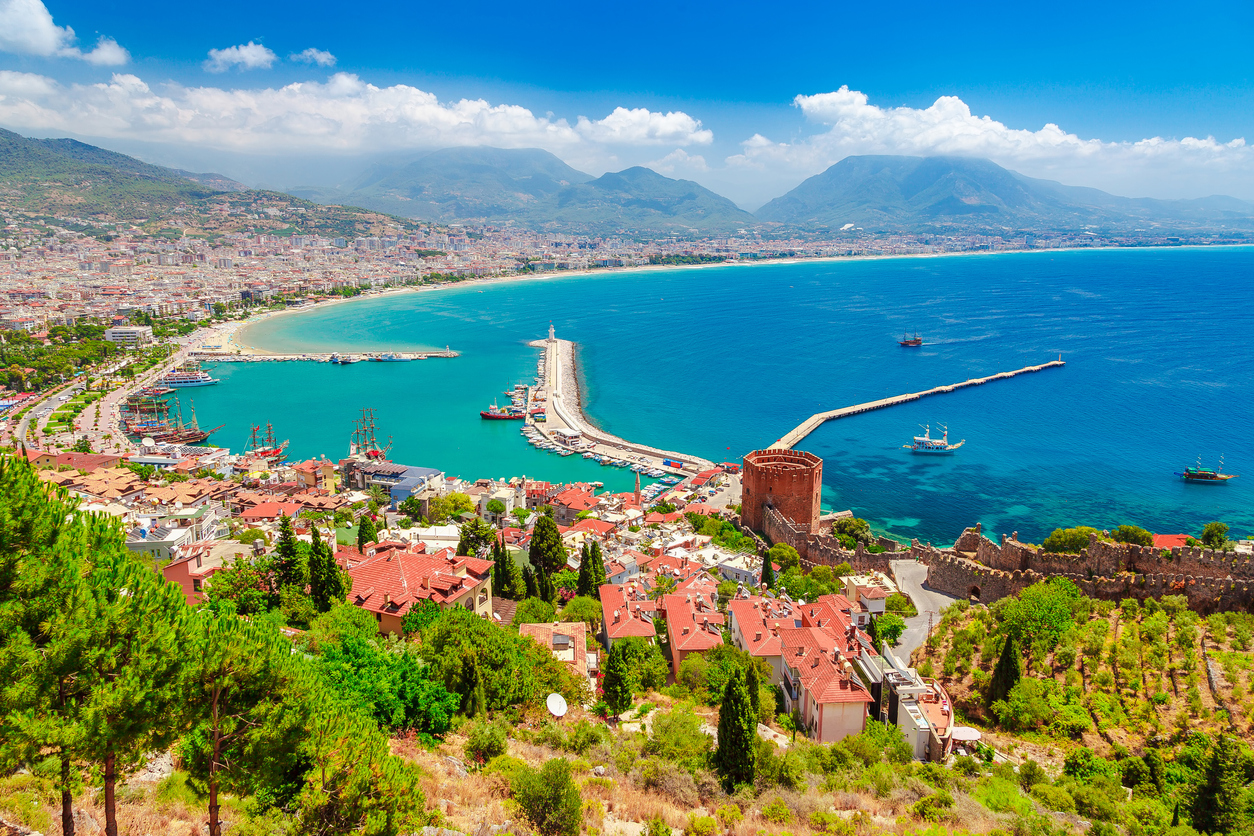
[(977, 567)]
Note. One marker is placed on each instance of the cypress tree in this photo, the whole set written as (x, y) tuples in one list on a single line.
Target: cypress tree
[(366, 533), (597, 577), (1217, 802), (547, 554), (545, 590), (754, 687), (616, 684), (736, 757), (326, 582), (1175, 815), (768, 572), (584, 585), (1008, 672), (529, 581)]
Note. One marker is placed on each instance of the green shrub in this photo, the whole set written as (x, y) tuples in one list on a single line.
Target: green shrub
[(1001, 795), (656, 826), (549, 798), (933, 807), (729, 815), (678, 738), (777, 811), (825, 822), (701, 825), (485, 741), (1053, 798)]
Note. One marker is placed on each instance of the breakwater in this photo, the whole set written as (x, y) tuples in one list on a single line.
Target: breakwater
[(814, 421), (315, 357)]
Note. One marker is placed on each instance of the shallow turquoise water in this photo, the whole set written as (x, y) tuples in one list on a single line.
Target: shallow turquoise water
[(719, 361)]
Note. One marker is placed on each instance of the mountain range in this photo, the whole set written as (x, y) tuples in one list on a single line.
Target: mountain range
[(534, 189)]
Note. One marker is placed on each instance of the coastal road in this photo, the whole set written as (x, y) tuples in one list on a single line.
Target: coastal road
[(911, 578)]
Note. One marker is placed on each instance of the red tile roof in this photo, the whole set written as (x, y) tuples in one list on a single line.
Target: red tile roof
[(627, 611), (391, 581)]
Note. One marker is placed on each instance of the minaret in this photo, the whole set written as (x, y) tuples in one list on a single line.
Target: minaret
[(551, 337), (638, 489)]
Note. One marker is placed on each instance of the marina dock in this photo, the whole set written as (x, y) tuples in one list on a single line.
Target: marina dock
[(814, 421), (564, 414), (378, 356)]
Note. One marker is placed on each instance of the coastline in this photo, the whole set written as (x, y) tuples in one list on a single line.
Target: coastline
[(239, 343)]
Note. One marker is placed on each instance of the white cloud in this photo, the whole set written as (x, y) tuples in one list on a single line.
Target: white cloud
[(249, 56), (678, 159), (641, 126), (27, 28), (343, 114), (314, 56), (947, 127)]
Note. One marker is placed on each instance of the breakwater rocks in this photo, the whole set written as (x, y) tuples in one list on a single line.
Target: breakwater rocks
[(977, 567)]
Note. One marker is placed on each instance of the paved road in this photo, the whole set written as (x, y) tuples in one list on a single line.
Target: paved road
[(911, 577)]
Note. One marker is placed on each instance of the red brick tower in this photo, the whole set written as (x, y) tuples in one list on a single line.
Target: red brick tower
[(789, 481)]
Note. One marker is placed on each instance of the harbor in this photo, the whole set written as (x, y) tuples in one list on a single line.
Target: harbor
[(819, 418), (553, 419), (338, 358)]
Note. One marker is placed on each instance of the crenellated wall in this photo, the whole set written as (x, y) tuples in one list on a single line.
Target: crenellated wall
[(824, 549), (1106, 571)]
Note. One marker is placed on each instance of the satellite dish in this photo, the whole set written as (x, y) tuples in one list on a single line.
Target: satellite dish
[(556, 704)]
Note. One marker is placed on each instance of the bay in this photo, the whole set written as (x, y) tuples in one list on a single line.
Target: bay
[(721, 360)]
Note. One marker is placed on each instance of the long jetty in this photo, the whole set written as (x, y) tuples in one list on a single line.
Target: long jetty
[(232, 357), (814, 421)]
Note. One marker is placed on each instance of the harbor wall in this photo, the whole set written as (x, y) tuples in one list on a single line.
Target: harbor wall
[(976, 567)]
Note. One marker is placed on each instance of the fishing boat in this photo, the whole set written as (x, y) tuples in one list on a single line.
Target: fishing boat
[(926, 444), (344, 359), (496, 413), (910, 342), (188, 374), (1205, 476), (390, 357)]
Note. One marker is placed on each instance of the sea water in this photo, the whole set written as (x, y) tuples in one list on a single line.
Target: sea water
[(721, 360)]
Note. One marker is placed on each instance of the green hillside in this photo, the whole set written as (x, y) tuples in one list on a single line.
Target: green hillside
[(67, 177)]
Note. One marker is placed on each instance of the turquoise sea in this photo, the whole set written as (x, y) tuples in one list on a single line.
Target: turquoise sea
[(719, 361)]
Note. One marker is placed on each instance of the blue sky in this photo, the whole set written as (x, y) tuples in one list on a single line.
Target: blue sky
[(1147, 99)]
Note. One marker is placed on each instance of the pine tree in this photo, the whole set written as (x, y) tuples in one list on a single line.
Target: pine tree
[(290, 567), (232, 678), (547, 554), (327, 582), (478, 697), (754, 687), (736, 756), (1217, 802), (616, 684), (529, 581), (366, 533), (1008, 671), (768, 572)]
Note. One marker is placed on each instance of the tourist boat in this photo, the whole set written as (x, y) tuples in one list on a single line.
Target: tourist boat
[(926, 444), (266, 446), (1206, 476), (389, 357), (188, 374), (910, 342), (496, 413), (344, 359)]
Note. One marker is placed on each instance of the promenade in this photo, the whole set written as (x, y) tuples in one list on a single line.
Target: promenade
[(565, 412), (819, 418)]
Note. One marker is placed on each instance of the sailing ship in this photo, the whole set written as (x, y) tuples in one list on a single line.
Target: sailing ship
[(926, 444), (910, 342), (164, 431), (266, 446), (363, 444), (1206, 476)]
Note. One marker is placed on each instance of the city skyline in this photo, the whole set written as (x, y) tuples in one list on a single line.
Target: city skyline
[(1152, 106)]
